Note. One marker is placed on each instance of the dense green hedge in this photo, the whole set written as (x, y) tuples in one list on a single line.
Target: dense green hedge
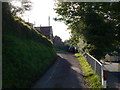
[(26, 53)]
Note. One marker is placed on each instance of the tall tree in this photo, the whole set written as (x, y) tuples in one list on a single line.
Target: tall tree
[(93, 23)]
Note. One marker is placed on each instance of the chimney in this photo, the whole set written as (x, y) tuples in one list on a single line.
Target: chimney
[(49, 21)]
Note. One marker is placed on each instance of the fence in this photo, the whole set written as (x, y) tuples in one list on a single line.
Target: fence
[(96, 66)]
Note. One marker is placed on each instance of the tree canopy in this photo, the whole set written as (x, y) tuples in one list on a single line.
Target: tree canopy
[(16, 10), (95, 27)]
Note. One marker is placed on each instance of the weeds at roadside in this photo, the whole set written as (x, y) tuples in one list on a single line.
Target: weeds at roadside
[(89, 75)]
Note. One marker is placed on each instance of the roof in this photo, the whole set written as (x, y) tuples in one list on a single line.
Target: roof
[(114, 54), (38, 28), (46, 29)]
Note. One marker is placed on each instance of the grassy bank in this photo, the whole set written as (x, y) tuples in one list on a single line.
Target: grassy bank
[(24, 61), (26, 53), (90, 77)]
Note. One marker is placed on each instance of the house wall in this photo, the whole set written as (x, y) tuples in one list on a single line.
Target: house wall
[(107, 57), (46, 31), (112, 58)]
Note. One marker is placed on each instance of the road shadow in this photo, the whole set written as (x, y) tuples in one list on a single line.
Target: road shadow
[(65, 76), (61, 75)]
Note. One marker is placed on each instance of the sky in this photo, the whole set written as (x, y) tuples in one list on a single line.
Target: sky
[(41, 10)]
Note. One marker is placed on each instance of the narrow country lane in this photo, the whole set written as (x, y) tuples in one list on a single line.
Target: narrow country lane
[(65, 73)]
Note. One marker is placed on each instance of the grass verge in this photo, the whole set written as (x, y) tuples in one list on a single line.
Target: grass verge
[(90, 77), (26, 54), (24, 61)]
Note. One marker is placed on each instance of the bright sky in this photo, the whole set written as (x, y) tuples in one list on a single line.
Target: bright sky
[(39, 14)]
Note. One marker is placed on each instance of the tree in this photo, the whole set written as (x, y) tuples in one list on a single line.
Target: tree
[(93, 23), (25, 6)]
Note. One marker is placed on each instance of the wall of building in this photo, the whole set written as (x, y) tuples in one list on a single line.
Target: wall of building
[(46, 31)]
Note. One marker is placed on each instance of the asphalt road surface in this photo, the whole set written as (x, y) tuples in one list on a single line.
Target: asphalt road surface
[(65, 73), (113, 79), (113, 74)]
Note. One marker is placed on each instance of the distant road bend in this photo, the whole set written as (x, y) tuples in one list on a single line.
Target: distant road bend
[(65, 73)]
